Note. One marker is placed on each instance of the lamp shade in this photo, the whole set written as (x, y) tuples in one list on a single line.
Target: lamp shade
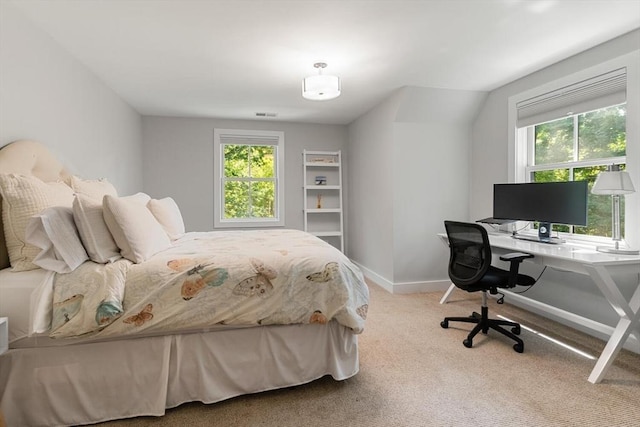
[(612, 183), (321, 87)]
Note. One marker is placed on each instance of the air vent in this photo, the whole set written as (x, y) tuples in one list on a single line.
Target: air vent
[(266, 114)]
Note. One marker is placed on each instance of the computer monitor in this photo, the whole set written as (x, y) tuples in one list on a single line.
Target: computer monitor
[(544, 202)]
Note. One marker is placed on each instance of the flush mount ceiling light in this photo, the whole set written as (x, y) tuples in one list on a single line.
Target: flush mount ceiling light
[(321, 87)]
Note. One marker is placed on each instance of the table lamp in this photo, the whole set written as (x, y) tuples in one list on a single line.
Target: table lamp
[(614, 182)]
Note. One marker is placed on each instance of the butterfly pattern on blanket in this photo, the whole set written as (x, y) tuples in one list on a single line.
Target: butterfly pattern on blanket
[(258, 277)]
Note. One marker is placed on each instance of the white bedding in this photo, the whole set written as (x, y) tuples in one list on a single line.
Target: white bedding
[(237, 278), (26, 299)]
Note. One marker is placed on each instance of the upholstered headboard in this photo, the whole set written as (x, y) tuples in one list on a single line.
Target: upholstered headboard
[(27, 157)]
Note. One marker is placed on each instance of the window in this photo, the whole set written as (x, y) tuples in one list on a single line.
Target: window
[(577, 148), (573, 130), (248, 178)]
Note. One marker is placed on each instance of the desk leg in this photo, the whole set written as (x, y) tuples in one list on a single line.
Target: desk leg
[(629, 315), (447, 294)]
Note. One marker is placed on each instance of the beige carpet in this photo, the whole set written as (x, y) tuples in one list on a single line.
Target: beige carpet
[(414, 373)]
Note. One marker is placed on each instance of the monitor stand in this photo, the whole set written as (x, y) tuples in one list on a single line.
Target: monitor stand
[(544, 235), (549, 240)]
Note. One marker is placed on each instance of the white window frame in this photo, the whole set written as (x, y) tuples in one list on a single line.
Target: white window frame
[(517, 153), (247, 137)]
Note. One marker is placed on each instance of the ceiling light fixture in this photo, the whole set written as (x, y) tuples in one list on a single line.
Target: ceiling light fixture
[(321, 87)]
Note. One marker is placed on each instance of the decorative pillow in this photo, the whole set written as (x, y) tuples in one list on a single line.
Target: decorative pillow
[(22, 197), (134, 228), (94, 233), (54, 231), (167, 212), (92, 188)]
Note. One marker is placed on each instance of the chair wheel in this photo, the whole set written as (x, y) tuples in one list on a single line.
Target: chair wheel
[(444, 324), (516, 330), (519, 348), (467, 343)]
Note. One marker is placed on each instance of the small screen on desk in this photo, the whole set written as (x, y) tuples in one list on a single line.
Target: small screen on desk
[(553, 202)]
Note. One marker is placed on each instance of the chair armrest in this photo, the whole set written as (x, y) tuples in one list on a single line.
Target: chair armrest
[(515, 256)]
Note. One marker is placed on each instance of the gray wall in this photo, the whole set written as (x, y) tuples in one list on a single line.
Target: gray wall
[(489, 164), (178, 162), (47, 95), (408, 172), (371, 167)]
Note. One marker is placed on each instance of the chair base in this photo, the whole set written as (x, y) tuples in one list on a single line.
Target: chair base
[(483, 323)]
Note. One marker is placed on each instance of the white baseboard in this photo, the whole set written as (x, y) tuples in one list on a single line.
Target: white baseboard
[(375, 277), (404, 287), (417, 287)]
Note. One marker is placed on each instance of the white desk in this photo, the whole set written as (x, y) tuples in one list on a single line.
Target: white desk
[(584, 259)]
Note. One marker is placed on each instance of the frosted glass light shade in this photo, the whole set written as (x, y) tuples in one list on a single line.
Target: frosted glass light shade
[(613, 182), (321, 87)]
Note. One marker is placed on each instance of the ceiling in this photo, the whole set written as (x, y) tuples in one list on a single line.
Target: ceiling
[(233, 59)]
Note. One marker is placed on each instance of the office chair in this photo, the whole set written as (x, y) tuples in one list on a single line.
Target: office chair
[(470, 269)]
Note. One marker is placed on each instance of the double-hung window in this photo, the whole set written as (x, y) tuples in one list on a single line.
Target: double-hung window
[(248, 178), (572, 134)]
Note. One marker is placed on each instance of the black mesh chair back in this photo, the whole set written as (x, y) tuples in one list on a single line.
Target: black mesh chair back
[(470, 253)]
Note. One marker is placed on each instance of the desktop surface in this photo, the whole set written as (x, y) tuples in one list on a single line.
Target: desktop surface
[(570, 250)]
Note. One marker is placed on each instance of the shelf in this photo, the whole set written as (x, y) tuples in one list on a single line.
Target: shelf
[(322, 187), (322, 164), (326, 233), (321, 210)]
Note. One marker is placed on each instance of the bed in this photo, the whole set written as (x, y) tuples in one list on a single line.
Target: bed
[(210, 316)]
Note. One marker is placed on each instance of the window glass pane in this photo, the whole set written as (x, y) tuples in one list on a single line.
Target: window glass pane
[(263, 196), (236, 160), (598, 206), (554, 142), (598, 137), (602, 133), (553, 175), (236, 200), (262, 161)]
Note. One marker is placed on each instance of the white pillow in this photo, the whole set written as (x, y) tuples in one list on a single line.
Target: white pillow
[(22, 197), (167, 212), (134, 228), (92, 188), (141, 198), (94, 233), (54, 231)]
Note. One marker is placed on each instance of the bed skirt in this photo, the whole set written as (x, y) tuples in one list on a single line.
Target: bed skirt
[(89, 383)]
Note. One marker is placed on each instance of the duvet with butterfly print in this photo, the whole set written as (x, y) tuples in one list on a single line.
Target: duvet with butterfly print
[(236, 278)]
